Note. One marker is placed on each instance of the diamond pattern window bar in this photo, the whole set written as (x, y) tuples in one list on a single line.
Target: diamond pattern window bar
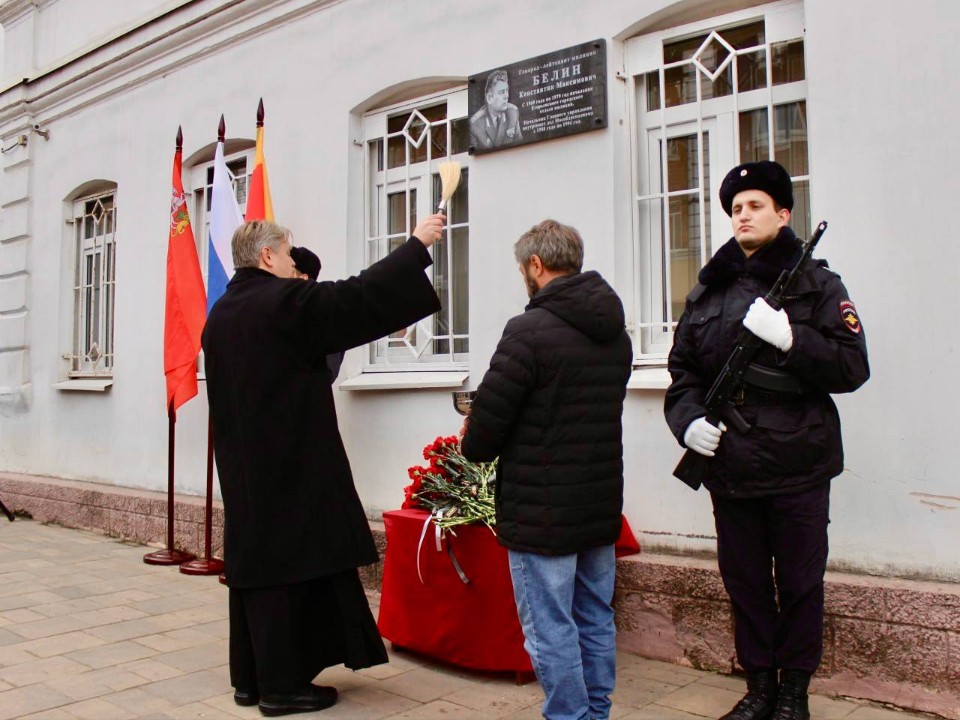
[(404, 185), (719, 98), (94, 286), (240, 168)]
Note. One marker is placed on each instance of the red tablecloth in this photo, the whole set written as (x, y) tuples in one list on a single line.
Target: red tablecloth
[(473, 625)]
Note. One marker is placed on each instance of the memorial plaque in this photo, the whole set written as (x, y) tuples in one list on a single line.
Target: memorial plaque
[(546, 97)]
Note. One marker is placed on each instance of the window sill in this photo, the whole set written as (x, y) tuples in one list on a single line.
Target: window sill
[(85, 384), (649, 378), (404, 380)]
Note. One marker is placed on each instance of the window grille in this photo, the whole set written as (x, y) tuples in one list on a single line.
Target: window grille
[(95, 221), (403, 146), (240, 167), (707, 97)]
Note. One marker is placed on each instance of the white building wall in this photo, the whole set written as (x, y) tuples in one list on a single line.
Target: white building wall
[(884, 153), (46, 33), (882, 157)]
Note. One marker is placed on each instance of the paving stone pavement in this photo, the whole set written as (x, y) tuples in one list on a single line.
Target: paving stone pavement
[(87, 630)]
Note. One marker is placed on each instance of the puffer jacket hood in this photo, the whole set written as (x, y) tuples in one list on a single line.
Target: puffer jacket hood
[(586, 301)]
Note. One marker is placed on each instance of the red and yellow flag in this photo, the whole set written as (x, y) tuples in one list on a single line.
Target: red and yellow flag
[(259, 204), (186, 306)]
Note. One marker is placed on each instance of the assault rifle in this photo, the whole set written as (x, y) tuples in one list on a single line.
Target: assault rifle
[(719, 401)]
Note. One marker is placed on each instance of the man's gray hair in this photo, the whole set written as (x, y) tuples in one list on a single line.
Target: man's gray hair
[(559, 247), (252, 237)]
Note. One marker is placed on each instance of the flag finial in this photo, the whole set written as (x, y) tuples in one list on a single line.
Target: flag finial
[(179, 138), (221, 130), (260, 113)]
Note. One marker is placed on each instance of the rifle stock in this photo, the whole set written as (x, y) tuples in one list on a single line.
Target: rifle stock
[(692, 468)]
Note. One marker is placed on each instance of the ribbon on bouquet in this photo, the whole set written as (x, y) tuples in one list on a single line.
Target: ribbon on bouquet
[(438, 538)]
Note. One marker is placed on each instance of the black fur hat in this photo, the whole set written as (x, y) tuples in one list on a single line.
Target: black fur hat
[(766, 175), (306, 261)]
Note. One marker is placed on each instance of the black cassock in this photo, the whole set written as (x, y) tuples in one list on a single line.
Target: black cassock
[(295, 530)]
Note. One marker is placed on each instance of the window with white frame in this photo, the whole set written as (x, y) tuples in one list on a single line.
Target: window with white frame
[(706, 97), (95, 226), (240, 166), (404, 144)]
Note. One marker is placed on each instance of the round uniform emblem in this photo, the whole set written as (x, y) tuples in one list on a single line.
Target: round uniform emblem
[(849, 314), (743, 172)]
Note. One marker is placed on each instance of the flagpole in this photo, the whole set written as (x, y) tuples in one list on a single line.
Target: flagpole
[(170, 555), (206, 565)]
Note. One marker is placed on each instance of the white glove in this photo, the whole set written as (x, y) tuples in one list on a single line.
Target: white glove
[(772, 326), (702, 437)]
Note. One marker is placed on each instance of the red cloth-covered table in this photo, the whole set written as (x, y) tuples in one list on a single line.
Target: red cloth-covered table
[(473, 625)]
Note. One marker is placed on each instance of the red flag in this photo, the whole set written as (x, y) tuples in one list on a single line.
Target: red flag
[(186, 309), (259, 203)]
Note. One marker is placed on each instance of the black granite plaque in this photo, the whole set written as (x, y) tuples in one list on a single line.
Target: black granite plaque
[(550, 96)]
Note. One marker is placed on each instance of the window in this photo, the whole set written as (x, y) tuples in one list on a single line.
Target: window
[(707, 97), (240, 165), (95, 224), (404, 145)]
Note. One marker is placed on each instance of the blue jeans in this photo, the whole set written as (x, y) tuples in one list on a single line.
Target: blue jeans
[(564, 608)]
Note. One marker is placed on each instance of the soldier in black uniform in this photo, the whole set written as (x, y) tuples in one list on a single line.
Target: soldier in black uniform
[(770, 486)]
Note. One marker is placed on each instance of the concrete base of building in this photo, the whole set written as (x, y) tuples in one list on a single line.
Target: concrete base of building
[(885, 639)]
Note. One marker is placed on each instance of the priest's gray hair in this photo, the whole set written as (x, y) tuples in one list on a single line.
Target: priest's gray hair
[(252, 237), (559, 247)]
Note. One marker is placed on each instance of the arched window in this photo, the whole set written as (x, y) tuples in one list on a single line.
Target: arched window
[(94, 220), (403, 145), (238, 155), (707, 96)]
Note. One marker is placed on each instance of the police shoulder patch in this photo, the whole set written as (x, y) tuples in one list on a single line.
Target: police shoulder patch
[(849, 315)]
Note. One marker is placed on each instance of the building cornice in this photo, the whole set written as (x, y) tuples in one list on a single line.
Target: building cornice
[(180, 36), (13, 10)]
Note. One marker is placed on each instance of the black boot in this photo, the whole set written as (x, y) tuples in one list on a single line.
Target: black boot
[(760, 700), (792, 703)]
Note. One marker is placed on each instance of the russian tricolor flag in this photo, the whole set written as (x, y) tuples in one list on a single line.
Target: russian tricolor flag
[(225, 217)]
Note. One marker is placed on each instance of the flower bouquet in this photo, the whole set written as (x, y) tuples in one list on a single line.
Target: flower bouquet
[(454, 490)]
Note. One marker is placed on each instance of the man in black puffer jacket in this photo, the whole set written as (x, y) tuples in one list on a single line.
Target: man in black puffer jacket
[(770, 486), (550, 407)]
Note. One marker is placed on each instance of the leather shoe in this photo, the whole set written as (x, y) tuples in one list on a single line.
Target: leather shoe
[(246, 697), (310, 699)]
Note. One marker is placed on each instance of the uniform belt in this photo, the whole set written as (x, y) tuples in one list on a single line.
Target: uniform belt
[(762, 377), (763, 385), (747, 395)]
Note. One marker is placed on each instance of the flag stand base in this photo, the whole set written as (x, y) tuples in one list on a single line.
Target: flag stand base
[(167, 557), (202, 566)]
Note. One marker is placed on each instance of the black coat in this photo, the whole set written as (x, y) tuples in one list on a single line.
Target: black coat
[(291, 509), (550, 407), (794, 444)]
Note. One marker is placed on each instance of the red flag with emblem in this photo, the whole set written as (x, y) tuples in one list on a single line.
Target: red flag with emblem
[(186, 306)]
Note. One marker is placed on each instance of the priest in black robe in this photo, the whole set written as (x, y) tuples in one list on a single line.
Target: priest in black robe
[(295, 531)]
